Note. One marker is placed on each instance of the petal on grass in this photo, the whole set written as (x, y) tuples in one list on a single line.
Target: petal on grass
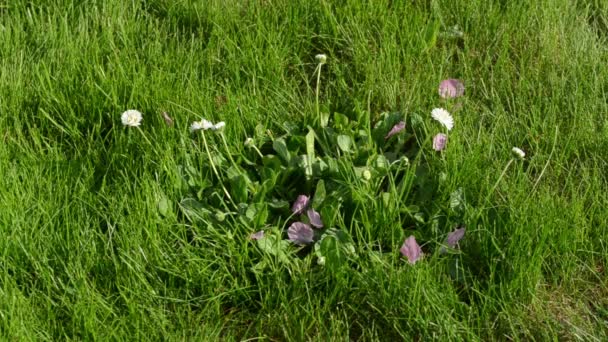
[(454, 237), (439, 142), (300, 233), (167, 118), (396, 129), (451, 88), (300, 204), (257, 235), (411, 250), (315, 218)]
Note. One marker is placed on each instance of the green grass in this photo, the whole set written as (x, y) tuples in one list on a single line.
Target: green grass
[(85, 253)]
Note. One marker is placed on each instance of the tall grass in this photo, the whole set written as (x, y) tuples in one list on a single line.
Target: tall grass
[(85, 253)]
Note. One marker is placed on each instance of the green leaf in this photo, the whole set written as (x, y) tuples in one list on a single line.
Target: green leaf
[(340, 120), (278, 204), (430, 36), (457, 202), (310, 151), (238, 185), (334, 249), (257, 214), (320, 193), (272, 246), (345, 142), (194, 210), (280, 147), (163, 207)]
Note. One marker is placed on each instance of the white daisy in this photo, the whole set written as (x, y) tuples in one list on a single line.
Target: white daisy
[(219, 125), (203, 124), (518, 152), (131, 118), (444, 117), (321, 58)]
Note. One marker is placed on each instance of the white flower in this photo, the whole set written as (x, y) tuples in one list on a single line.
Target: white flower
[(444, 117), (131, 118), (518, 153), (248, 141), (219, 125), (321, 58), (203, 124)]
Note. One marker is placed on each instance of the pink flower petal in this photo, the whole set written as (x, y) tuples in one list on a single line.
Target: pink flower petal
[(451, 88), (454, 237), (439, 142), (396, 129), (257, 236), (300, 233), (300, 204), (411, 250), (315, 218)]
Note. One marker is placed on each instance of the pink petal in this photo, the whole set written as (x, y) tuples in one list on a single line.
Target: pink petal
[(300, 204), (411, 250), (439, 142), (396, 129), (454, 237), (300, 233), (257, 236), (451, 88), (315, 218)]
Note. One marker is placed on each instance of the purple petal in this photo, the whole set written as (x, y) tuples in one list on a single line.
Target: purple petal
[(454, 237), (411, 250), (439, 142), (300, 204), (257, 236), (300, 233), (396, 129), (451, 88), (315, 218)]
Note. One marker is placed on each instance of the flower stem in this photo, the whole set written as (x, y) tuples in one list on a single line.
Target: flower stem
[(317, 95), (215, 170), (147, 140), (504, 171)]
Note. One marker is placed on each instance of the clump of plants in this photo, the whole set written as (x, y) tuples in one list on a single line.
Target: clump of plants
[(295, 190)]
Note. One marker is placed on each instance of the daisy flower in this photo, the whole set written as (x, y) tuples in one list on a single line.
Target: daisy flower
[(300, 233), (300, 204), (439, 142), (396, 129), (451, 88), (443, 117), (518, 153), (411, 250), (203, 124), (321, 58), (131, 118), (219, 126)]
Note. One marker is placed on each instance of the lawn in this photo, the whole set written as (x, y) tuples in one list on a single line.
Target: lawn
[(175, 229)]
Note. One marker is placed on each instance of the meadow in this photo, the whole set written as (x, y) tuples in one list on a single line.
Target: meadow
[(333, 202)]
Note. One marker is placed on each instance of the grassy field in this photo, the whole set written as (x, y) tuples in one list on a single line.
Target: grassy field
[(111, 232)]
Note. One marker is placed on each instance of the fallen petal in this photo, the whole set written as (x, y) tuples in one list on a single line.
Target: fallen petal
[(167, 118), (396, 129), (451, 88), (300, 233), (300, 204), (411, 250), (439, 142), (454, 237), (257, 236), (315, 218)]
